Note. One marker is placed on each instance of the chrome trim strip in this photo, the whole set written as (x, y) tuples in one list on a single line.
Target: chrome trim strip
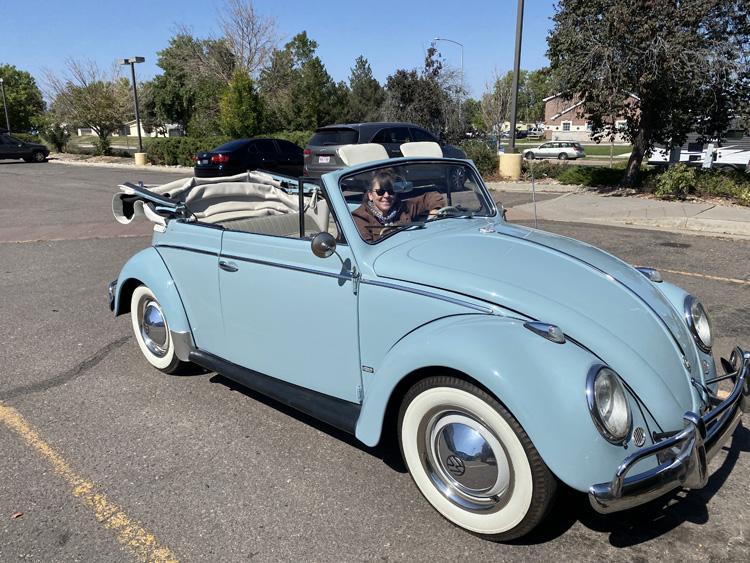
[(183, 344), (378, 283), (692, 448), (187, 249), (346, 276)]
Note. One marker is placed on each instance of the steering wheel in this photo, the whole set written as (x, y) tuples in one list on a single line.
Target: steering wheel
[(444, 211)]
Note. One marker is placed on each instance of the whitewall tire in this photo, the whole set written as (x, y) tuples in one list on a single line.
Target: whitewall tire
[(152, 331), (472, 460)]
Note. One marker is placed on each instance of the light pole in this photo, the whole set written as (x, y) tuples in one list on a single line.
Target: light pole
[(132, 61), (460, 97), (5, 105), (516, 70)]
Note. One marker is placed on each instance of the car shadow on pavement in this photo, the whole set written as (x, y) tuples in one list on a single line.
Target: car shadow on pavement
[(643, 523), (387, 450), (662, 515)]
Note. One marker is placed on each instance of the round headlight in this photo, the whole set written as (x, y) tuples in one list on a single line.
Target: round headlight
[(608, 404), (699, 323)]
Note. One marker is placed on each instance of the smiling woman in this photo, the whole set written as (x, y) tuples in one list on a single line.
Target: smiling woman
[(394, 197)]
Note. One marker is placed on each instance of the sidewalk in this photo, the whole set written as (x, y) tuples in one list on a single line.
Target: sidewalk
[(579, 205)]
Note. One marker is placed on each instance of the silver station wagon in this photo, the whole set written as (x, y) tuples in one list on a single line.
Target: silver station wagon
[(507, 359), (561, 150)]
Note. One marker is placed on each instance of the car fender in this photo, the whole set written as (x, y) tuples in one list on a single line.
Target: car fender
[(543, 384), (147, 267)]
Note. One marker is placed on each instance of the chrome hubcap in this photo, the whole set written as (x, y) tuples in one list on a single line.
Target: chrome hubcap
[(465, 461), (154, 329)]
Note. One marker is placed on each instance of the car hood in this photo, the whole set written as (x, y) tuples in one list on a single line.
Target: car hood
[(595, 298)]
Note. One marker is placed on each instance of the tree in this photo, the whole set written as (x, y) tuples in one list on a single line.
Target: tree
[(366, 94), (686, 61), (196, 73), (240, 108), (414, 98), (23, 97), (496, 101), (86, 96), (249, 36), (298, 91)]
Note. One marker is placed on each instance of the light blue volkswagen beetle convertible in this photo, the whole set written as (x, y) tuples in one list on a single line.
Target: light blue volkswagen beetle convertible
[(507, 359)]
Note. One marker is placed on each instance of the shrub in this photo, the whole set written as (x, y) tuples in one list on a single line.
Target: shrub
[(541, 169), (56, 135), (483, 156), (179, 150), (590, 176), (299, 138), (102, 146), (677, 181), (26, 137)]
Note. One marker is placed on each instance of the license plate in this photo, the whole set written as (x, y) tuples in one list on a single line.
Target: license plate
[(324, 159), (203, 161)]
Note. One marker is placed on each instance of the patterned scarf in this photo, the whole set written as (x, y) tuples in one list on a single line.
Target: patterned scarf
[(384, 219)]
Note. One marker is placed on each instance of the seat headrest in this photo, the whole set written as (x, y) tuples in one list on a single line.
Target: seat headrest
[(357, 154), (422, 148)]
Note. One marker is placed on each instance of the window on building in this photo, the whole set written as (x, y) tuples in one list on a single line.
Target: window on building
[(566, 125)]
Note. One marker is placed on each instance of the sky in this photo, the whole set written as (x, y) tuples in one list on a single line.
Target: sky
[(390, 34)]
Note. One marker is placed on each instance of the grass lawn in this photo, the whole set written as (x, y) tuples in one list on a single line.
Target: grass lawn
[(601, 150), (129, 142)]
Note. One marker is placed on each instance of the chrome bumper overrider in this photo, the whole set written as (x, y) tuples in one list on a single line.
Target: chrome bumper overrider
[(683, 457)]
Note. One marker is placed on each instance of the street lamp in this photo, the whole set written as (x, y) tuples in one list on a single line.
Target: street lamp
[(132, 61), (5, 105), (462, 68)]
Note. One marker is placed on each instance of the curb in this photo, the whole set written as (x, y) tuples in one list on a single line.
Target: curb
[(148, 167)]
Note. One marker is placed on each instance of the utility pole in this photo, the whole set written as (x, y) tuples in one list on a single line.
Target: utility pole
[(5, 105), (132, 61), (516, 71)]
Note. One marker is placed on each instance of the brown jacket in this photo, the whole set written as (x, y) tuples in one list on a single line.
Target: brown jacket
[(371, 229)]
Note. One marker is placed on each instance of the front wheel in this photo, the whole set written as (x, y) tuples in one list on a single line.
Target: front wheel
[(38, 156), (152, 331), (472, 460), (529, 155)]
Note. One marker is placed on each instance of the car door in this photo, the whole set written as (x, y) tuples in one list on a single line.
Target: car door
[(289, 314), (291, 158), (547, 149)]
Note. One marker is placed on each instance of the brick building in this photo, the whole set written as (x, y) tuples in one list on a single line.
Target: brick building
[(567, 120)]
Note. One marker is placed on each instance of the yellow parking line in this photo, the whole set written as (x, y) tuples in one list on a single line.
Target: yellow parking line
[(129, 533), (706, 276)]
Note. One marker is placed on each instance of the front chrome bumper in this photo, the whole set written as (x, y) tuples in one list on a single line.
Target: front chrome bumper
[(686, 454)]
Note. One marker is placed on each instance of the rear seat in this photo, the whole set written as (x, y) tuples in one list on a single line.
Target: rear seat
[(286, 225)]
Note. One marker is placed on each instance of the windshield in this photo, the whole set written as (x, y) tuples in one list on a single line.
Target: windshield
[(391, 199)]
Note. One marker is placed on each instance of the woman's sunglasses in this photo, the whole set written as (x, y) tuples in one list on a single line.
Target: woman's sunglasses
[(383, 191)]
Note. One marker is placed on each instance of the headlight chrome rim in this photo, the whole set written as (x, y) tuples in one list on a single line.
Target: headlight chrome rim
[(601, 425), (692, 304)]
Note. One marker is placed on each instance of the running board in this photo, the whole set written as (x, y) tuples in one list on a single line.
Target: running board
[(336, 412)]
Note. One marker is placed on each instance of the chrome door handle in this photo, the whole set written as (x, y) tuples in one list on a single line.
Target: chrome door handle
[(228, 266)]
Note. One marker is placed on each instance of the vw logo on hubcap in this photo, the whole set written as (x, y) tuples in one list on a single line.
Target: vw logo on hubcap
[(455, 465)]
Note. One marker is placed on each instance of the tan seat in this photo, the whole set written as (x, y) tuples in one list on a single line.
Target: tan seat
[(422, 148), (357, 154)]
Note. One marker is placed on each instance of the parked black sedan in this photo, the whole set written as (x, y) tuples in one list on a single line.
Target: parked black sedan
[(10, 147), (235, 157)]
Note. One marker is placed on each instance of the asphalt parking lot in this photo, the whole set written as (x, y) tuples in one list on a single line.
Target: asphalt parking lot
[(106, 459)]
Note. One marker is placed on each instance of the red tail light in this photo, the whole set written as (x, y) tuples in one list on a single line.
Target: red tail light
[(195, 158), (307, 152), (219, 158)]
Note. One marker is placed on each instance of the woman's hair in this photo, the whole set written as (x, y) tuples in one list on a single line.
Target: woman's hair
[(382, 178)]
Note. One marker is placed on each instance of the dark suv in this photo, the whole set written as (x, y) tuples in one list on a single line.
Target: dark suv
[(320, 151), (10, 147)]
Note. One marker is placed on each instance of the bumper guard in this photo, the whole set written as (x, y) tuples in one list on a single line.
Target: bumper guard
[(687, 453)]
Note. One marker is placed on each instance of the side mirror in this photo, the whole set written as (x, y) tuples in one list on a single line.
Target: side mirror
[(323, 245)]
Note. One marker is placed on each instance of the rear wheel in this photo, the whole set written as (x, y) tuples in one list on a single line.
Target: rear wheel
[(562, 156), (152, 331), (472, 460)]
